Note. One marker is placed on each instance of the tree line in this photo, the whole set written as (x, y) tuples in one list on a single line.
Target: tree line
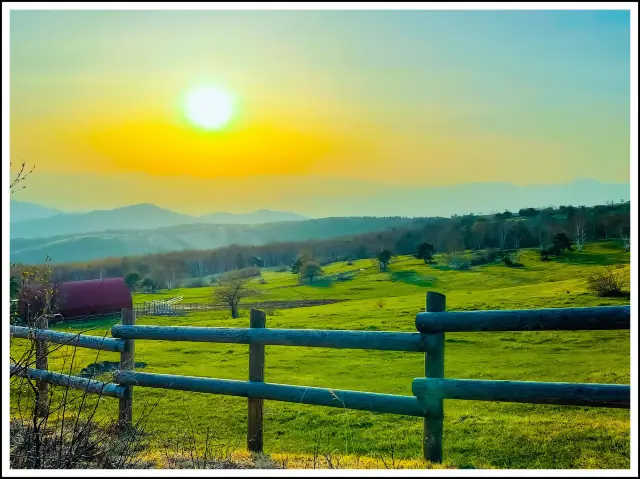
[(422, 237)]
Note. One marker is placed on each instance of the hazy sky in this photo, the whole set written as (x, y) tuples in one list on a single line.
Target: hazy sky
[(324, 100)]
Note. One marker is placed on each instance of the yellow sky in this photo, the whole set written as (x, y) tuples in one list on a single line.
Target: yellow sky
[(429, 98)]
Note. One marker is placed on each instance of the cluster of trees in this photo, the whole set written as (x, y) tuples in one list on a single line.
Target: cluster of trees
[(306, 267), (425, 252), (559, 244), (422, 237)]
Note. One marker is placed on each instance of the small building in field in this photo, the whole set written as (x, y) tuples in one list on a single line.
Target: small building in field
[(96, 296), (76, 298)]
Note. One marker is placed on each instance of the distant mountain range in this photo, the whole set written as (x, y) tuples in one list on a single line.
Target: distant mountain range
[(22, 211), (37, 231), (254, 218), (29, 220), (132, 242)]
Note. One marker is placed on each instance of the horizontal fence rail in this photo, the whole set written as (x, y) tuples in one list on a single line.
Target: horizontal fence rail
[(69, 339), (551, 319), (569, 394), (384, 403), (74, 382), (378, 340)]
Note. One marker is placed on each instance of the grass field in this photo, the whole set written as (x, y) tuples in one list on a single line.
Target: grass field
[(476, 434)]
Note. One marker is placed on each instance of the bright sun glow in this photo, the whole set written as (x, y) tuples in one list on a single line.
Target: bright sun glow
[(209, 108)]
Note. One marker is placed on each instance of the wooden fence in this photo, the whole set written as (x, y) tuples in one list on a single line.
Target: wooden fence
[(429, 392), (156, 309)]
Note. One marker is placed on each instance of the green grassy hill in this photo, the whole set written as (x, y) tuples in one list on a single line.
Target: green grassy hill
[(476, 434)]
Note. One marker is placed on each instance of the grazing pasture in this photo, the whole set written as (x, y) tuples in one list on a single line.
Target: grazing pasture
[(476, 434)]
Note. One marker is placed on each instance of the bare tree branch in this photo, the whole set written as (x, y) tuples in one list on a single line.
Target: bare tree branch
[(20, 177)]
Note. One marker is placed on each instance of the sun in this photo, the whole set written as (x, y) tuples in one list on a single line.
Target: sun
[(209, 108)]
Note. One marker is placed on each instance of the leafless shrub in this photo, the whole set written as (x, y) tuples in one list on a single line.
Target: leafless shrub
[(626, 242), (93, 445), (457, 261), (608, 282)]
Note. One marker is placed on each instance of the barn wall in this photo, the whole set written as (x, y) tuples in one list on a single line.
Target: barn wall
[(101, 296)]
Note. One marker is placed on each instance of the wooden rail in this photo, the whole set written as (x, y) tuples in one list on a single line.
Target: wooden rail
[(552, 319), (69, 339), (569, 394), (74, 382), (339, 339), (429, 391), (375, 402)]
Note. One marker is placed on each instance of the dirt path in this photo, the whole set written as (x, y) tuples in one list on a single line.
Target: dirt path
[(302, 303)]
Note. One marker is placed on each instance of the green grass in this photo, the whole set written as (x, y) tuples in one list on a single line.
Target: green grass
[(476, 434)]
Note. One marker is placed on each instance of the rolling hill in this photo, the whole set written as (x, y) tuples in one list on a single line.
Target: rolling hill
[(25, 211), (134, 217), (253, 218), (142, 216), (130, 242)]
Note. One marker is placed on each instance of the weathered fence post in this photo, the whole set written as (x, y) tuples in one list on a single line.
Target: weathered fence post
[(434, 368), (42, 362), (258, 319), (125, 412)]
